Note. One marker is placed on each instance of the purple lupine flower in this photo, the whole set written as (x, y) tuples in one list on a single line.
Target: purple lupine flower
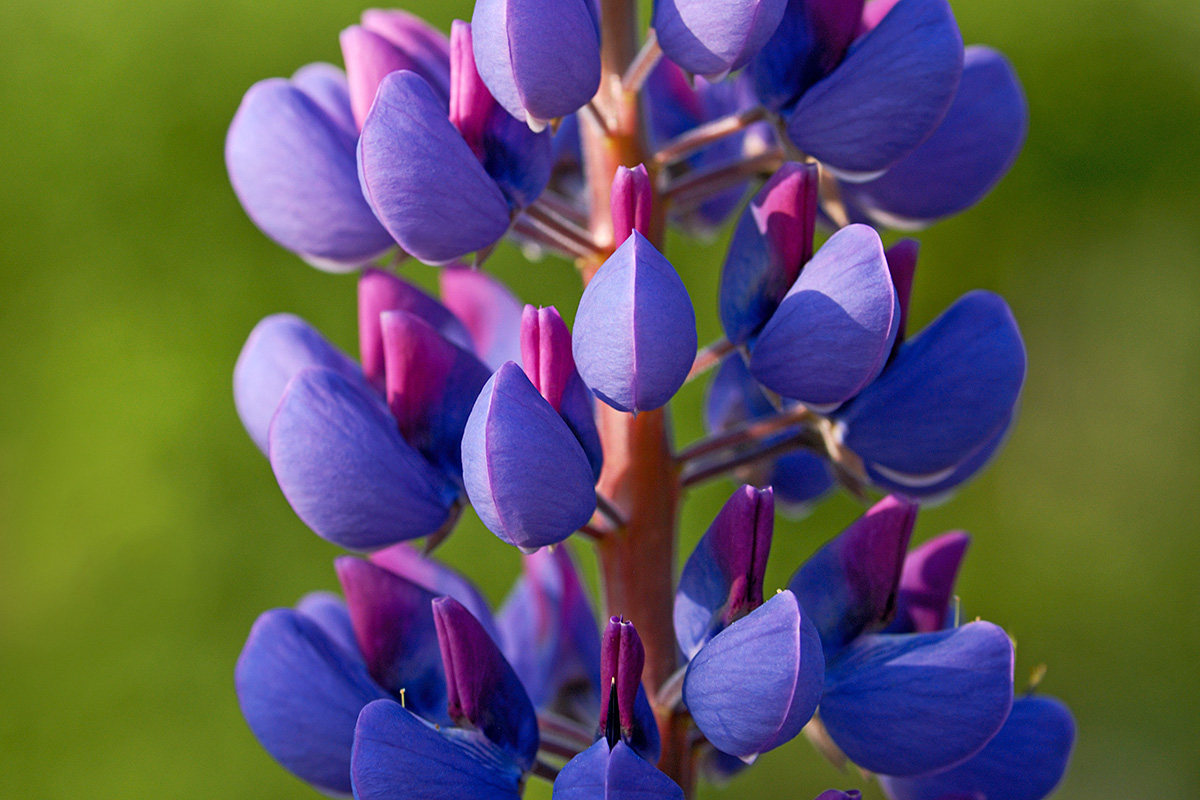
[(969, 152), (635, 330), (744, 706), (898, 704), (540, 58), (446, 184), (714, 39), (859, 105)]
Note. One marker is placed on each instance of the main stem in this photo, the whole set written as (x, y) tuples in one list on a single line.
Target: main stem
[(637, 562)]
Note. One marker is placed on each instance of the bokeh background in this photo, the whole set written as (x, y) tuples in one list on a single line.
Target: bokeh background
[(141, 532)]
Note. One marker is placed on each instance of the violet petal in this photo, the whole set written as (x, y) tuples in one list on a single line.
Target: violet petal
[(599, 773), (489, 311), (927, 584)]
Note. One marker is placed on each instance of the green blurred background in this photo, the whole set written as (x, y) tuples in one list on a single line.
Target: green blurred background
[(141, 532)]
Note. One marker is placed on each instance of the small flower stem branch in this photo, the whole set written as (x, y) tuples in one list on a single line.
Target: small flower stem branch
[(831, 199), (564, 730), (593, 533), (549, 746), (708, 357), (670, 694), (848, 468), (563, 208), (558, 223), (548, 237), (610, 512), (545, 771), (749, 431), (695, 187), (704, 135), (643, 64), (709, 470)]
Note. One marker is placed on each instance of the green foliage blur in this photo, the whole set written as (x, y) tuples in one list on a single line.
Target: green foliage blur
[(141, 532)]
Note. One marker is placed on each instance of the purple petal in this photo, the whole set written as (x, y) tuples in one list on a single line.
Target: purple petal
[(424, 44), (850, 584), (548, 634), (300, 693), (902, 265), (888, 95), (329, 612), (706, 38), (722, 580), (746, 706), (772, 241), (399, 756), (932, 489), (835, 794), (471, 104), (927, 584), (810, 41), (279, 347), (488, 310), (393, 626), (833, 331), (346, 470), (599, 773), (407, 562), (431, 387), (798, 479), (962, 160), (526, 474), (910, 704), (734, 397), (369, 58), (422, 180), (539, 58), (292, 167), (326, 86), (631, 202), (948, 393), (482, 688), (546, 352), (621, 660), (1025, 761), (380, 291), (579, 412), (635, 330)]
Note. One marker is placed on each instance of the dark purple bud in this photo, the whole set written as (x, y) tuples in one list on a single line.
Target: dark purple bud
[(539, 58), (927, 584), (902, 265), (621, 660), (346, 470), (772, 241), (971, 150), (421, 178), (471, 105), (489, 311), (483, 691), (393, 626), (292, 167), (279, 347), (757, 683), (1024, 761), (631, 201), (911, 704), (380, 291), (546, 352), (714, 41), (525, 472), (635, 330), (834, 330), (613, 772), (407, 562), (808, 44), (431, 387), (887, 96), (849, 585), (947, 394), (722, 580)]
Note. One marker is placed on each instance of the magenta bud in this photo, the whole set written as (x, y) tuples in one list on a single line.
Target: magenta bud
[(632, 197), (621, 659), (546, 352), (471, 104), (418, 360)]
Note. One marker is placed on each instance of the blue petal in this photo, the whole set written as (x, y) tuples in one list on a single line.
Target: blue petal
[(620, 774), (398, 756), (834, 330), (910, 704), (292, 167), (714, 39), (422, 180), (948, 392), (799, 478), (525, 473), (887, 96), (539, 58), (962, 160), (345, 469), (1025, 761), (746, 706), (850, 584), (328, 611), (635, 330), (326, 86), (279, 347), (301, 693), (940, 486)]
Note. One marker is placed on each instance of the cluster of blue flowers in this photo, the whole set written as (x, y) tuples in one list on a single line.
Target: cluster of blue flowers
[(829, 114)]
